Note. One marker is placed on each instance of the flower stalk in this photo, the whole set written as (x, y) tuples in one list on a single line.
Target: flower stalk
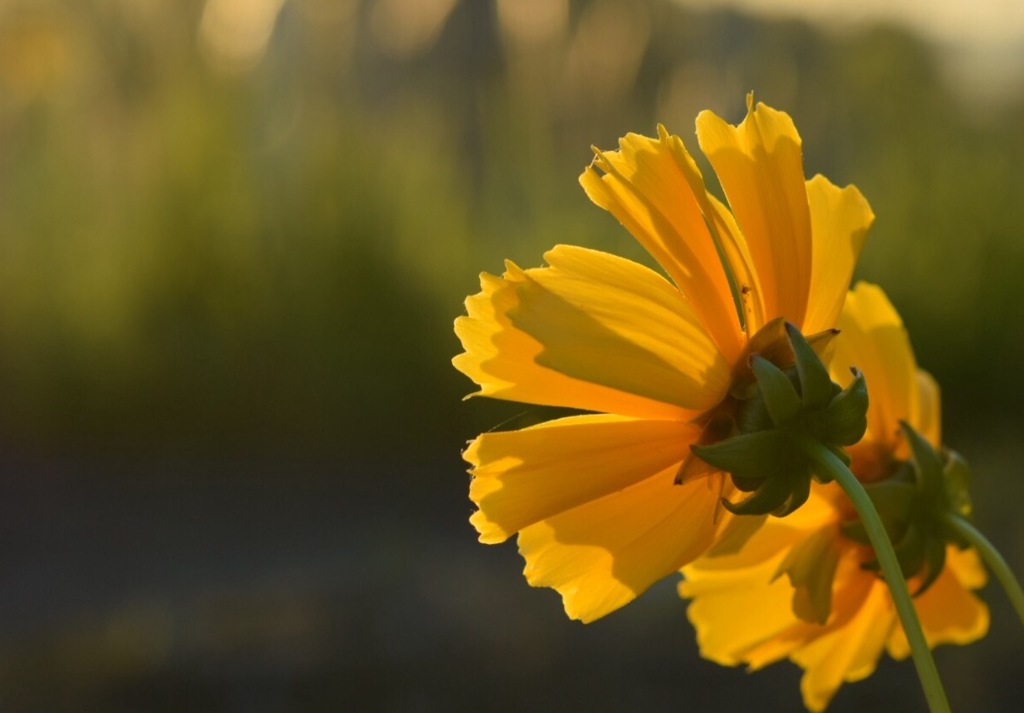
[(990, 555), (829, 463)]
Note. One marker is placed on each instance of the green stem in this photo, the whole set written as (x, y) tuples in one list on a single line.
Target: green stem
[(831, 466), (992, 558)]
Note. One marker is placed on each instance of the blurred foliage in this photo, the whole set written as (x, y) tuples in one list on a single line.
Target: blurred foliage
[(268, 256)]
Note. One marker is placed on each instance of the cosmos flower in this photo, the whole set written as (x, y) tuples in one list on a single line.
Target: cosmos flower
[(804, 587), (608, 502)]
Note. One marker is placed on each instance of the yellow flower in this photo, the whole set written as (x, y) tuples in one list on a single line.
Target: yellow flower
[(593, 497), (830, 615)]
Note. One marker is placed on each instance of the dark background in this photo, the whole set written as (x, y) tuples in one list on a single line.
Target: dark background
[(232, 245)]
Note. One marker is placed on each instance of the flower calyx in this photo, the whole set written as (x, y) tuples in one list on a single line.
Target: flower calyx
[(790, 399), (915, 502)]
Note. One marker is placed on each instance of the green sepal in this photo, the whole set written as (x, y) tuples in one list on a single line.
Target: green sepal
[(762, 454), (934, 561), (799, 491), (929, 468), (778, 496), (716, 428), (777, 391), (770, 342), (815, 384), (844, 420), (958, 483), (781, 395), (893, 499)]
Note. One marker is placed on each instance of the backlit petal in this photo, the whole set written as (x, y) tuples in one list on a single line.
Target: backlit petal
[(737, 610), (773, 537), (603, 554), (926, 418), (840, 218), (610, 321), (950, 613), (656, 191), (506, 361), (848, 653), (522, 477), (760, 166), (873, 339), (742, 611)]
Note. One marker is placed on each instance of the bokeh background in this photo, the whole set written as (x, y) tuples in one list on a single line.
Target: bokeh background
[(233, 237)]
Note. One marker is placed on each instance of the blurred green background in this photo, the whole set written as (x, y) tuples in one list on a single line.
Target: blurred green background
[(233, 237)]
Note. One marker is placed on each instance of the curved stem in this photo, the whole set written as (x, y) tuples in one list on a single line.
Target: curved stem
[(831, 465), (992, 558)]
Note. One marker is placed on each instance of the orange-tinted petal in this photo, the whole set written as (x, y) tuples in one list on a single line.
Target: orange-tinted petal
[(656, 191), (873, 339), (511, 363), (950, 613), (522, 477), (741, 265), (772, 537), (742, 610), (737, 610), (840, 218), (603, 554), (610, 321), (760, 166), (850, 652), (926, 418)]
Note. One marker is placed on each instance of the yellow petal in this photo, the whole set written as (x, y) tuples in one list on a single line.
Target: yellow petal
[(737, 610), (742, 611), (523, 477), (503, 359), (741, 265), (603, 554), (760, 167), (609, 321), (950, 613), (873, 339), (850, 652), (926, 418), (840, 218), (743, 614), (811, 567), (656, 191), (772, 537)]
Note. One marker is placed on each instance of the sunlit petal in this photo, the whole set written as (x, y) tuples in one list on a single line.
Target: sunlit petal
[(603, 554), (950, 613), (656, 191), (926, 416), (848, 653), (840, 218), (522, 477), (509, 363), (760, 166), (873, 339), (739, 609), (609, 321)]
